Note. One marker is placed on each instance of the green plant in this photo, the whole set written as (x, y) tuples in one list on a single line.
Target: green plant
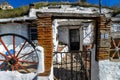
[(17, 12), (13, 12)]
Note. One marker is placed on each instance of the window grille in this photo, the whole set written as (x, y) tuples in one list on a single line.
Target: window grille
[(32, 32)]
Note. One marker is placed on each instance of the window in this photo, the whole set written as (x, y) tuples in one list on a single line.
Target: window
[(115, 27), (32, 32)]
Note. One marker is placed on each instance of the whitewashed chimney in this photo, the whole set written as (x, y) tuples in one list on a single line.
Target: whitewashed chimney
[(32, 12)]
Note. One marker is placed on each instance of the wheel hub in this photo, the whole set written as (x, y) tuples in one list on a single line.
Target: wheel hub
[(12, 61), (116, 49)]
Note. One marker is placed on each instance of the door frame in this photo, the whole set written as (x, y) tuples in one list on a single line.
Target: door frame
[(80, 28)]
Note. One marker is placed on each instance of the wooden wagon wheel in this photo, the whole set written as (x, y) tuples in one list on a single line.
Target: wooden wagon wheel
[(114, 51), (17, 53)]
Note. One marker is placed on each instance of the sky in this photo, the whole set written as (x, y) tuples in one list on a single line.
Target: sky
[(18, 3)]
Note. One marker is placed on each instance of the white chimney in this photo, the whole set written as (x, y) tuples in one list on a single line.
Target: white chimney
[(32, 11)]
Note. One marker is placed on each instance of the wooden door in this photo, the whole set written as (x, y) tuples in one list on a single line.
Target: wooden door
[(74, 39)]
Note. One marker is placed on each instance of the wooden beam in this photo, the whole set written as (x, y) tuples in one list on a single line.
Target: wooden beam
[(56, 15)]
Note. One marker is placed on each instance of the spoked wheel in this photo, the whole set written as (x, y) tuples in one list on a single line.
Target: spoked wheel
[(17, 53), (115, 49)]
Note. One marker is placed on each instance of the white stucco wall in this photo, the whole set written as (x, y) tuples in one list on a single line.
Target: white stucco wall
[(94, 65), (21, 29), (63, 35), (88, 33), (14, 28), (109, 70), (55, 34)]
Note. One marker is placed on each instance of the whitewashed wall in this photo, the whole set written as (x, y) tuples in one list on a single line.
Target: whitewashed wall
[(109, 70), (14, 28), (94, 65), (55, 34), (88, 33), (63, 35)]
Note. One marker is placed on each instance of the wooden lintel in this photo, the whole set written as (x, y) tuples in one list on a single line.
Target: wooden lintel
[(68, 15)]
